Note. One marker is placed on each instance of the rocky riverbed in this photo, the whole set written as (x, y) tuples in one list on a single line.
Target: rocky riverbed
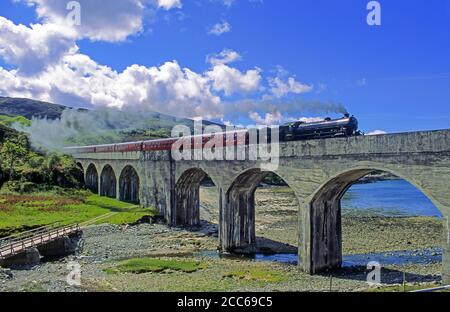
[(105, 245)]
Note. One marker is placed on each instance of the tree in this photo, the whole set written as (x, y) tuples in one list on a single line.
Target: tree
[(12, 154)]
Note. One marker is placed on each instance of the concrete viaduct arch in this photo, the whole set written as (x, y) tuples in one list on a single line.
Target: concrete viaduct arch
[(321, 213), (129, 185), (187, 198), (318, 171), (238, 210), (108, 182), (91, 178), (186, 193)]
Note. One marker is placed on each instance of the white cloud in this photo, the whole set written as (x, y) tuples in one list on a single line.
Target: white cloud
[(280, 88), (77, 80), (269, 119), (220, 28), (377, 132), (112, 22), (231, 80), (33, 48), (283, 84), (169, 4), (225, 57)]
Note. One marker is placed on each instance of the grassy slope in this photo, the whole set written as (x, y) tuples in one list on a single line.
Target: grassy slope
[(28, 108), (43, 209)]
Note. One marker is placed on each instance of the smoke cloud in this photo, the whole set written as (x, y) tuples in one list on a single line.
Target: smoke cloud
[(104, 126), (292, 107), (83, 127), (274, 113)]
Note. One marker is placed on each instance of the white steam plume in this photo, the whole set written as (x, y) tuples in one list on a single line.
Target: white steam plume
[(82, 127)]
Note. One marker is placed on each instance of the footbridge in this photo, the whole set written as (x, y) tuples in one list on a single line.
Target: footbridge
[(19, 243), (318, 171)]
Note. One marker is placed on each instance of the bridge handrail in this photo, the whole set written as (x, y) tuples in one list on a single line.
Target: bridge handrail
[(37, 239), (21, 235), (19, 239)]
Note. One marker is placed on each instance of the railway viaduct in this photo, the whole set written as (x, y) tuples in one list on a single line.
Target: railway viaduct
[(318, 171)]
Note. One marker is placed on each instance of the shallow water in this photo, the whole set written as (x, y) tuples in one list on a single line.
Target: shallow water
[(388, 198), (427, 256)]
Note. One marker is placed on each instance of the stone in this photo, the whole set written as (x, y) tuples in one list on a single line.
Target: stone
[(24, 260), (6, 273)]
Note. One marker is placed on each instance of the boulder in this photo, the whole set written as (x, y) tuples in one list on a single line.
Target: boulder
[(149, 220), (6, 274), (24, 260)]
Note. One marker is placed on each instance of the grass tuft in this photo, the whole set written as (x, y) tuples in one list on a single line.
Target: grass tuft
[(146, 265)]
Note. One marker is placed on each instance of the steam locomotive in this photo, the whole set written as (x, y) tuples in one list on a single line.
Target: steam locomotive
[(294, 131), (328, 128)]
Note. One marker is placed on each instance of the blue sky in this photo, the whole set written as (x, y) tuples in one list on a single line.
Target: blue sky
[(394, 77)]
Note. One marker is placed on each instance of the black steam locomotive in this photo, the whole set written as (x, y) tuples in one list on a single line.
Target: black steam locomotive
[(329, 128)]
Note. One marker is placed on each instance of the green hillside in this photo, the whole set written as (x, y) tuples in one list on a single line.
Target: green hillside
[(115, 126), (27, 108)]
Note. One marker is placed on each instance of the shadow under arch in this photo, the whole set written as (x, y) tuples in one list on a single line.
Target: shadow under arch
[(91, 180), (129, 185), (187, 198), (325, 212), (81, 173), (108, 182), (238, 226)]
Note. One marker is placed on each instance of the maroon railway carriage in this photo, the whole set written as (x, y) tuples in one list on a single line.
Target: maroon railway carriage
[(83, 150), (128, 147), (158, 145), (110, 148), (229, 139)]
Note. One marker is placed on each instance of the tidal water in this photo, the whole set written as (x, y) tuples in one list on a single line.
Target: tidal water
[(390, 198), (425, 256)]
